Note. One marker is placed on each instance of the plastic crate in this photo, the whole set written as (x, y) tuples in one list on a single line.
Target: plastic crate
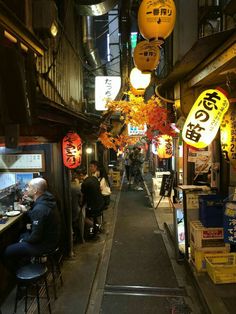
[(222, 268), (205, 237), (197, 256), (211, 210)]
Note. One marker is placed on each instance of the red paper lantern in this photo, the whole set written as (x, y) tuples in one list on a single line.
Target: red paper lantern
[(146, 56), (72, 150), (156, 18)]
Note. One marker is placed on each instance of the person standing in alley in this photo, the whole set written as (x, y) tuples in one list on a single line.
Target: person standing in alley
[(127, 162), (136, 166)]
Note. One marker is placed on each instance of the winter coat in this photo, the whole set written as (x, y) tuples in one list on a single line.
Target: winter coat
[(46, 224)]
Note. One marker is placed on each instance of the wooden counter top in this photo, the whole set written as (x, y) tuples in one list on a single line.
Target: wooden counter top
[(10, 221)]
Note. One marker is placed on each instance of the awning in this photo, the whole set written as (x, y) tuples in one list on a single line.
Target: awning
[(202, 49), (62, 118)]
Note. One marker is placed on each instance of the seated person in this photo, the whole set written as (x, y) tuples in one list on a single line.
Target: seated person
[(44, 235), (92, 197)]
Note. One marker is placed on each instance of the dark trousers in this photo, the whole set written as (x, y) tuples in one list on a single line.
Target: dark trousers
[(18, 254), (127, 171)]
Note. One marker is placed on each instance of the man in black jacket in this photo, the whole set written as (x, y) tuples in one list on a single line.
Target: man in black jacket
[(44, 235)]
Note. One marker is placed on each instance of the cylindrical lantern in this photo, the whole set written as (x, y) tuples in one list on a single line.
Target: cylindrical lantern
[(72, 150), (228, 135), (156, 18), (164, 146), (146, 56), (204, 119), (139, 80)]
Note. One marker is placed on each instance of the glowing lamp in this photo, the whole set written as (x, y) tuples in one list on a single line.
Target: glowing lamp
[(139, 80), (227, 135), (204, 119), (72, 150), (146, 56), (164, 146), (156, 18)]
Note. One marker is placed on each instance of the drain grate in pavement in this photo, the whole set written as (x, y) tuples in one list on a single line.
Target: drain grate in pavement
[(144, 291)]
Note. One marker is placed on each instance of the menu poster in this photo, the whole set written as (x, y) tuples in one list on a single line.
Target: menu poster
[(22, 162)]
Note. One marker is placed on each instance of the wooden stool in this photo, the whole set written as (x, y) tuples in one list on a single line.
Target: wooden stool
[(32, 275)]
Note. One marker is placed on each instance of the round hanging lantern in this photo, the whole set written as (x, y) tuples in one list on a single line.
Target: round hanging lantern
[(139, 80), (164, 146), (228, 135), (146, 56), (156, 18), (72, 150), (204, 119)]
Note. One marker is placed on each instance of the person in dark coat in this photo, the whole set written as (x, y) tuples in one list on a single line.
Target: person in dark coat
[(45, 230), (93, 199)]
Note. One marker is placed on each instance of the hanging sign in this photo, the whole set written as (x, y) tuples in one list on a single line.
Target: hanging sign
[(146, 56), (156, 18), (106, 88), (72, 150), (134, 130), (228, 135), (204, 119)]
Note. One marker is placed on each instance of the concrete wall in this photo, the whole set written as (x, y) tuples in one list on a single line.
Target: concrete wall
[(186, 28)]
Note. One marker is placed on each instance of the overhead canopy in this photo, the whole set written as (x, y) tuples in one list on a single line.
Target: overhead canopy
[(203, 48)]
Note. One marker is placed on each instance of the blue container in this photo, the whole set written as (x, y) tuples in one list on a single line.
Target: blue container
[(211, 210)]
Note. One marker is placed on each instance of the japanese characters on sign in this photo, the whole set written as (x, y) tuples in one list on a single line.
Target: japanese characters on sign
[(72, 150), (146, 56), (164, 146), (228, 135), (204, 119), (106, 88), (156, 18), (230, 223), (136, 130)]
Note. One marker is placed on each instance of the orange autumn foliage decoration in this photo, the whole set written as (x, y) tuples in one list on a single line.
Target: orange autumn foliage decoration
[(137, 112)]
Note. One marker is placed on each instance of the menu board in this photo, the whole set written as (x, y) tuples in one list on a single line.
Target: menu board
[(22, 162)]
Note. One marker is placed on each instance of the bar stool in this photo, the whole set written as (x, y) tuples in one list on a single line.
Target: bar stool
[(32, 275), (53, 262)]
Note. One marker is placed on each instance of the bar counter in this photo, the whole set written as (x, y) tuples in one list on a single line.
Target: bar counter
[(9, 222), (9, 234)]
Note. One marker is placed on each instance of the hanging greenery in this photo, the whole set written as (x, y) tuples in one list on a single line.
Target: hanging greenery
[(137, 112)]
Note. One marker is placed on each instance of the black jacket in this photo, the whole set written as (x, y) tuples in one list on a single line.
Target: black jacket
[(46, 224), (92, 195)]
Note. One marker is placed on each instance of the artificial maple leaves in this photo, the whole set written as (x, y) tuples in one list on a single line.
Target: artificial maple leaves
[(137, 112)]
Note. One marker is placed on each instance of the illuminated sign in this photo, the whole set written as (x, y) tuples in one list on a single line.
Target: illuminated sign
[(204, 119), (136, 130), (106, 88)]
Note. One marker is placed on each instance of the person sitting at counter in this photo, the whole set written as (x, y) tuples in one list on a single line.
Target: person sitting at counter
[(44, 235)]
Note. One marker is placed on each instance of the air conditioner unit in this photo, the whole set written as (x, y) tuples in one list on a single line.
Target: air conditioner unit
[(45, 17)]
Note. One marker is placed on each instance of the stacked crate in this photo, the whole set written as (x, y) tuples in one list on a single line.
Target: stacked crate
[(204, 241)]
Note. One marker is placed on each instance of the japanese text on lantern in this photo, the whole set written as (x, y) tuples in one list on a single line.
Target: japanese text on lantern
[(72, 150), (204, 118)]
